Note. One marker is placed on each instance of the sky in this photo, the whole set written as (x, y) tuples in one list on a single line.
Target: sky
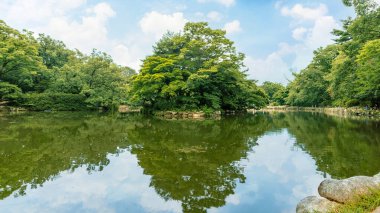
[(278, 37)]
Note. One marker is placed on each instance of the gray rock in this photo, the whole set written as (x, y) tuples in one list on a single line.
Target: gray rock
[(346, 190), (316, 204), (377, 210)]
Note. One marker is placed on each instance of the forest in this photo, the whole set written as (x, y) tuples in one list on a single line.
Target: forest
[(41, 73), (196, 69)]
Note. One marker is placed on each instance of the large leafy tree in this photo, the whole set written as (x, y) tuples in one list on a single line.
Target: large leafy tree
[(276, 92), (196, 69), (369, 73), (104, 81), (345, 88), (54, 53), (20, 63)]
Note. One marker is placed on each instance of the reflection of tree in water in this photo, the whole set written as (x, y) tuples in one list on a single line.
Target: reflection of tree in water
[(196, 163), (36, 148), (341, 147)]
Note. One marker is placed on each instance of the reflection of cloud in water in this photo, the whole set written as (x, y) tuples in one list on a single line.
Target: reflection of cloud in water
[(121, 186), (278, 176)]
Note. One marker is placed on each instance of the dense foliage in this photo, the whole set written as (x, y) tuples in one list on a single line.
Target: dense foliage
[(276, 92), (348, 72), (43, 74), (197, 69)]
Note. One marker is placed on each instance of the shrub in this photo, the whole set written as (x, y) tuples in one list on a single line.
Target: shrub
[(9, 92), (55, 101)]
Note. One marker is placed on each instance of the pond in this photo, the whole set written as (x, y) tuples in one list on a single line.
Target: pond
[(89, 162)]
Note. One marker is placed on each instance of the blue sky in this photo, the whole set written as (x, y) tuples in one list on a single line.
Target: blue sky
[(277, 36)]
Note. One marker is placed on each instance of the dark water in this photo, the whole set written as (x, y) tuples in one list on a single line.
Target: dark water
[(78, 162)]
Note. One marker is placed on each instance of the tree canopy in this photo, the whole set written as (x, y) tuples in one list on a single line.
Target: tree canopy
[(276, 92), (43, 74), (20, 63), (196, 69)]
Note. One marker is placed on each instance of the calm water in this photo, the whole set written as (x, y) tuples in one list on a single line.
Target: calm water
[(83, 162)]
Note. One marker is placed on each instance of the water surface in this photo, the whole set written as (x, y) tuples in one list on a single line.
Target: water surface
[(88, 162)]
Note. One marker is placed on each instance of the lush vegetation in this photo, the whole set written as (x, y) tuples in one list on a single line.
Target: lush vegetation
[(198, 69), (276, 92), (346, 73), (43, 74)]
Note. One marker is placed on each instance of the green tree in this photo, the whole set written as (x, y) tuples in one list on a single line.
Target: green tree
[(342, 77), (275, 92), (196, 69), (280, 96), (105, 83), (20, 63), (9, 92), (54, 53), (69, 78), (369, 73), (309, 87), (362, 7)]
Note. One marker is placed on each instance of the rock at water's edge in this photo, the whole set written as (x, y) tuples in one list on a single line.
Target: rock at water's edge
[(377, 210), (345, 190), (315, 204)]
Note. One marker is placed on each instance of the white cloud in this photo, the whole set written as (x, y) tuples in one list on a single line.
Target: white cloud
[(298, 11), (214, 16), (126, 55), (87, 33), (272, 68), (157, 23), (311, 29), (21, 11), (232, 27), (299, 33), (136, 46), (320, 34), (226, 3)]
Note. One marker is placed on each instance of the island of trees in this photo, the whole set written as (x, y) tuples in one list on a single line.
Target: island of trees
[(197, 69)]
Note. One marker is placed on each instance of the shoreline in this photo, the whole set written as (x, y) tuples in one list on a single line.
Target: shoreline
[(335, 111), (351, 112)]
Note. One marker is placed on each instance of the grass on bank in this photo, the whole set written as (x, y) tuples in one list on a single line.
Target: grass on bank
[(362, 204)]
